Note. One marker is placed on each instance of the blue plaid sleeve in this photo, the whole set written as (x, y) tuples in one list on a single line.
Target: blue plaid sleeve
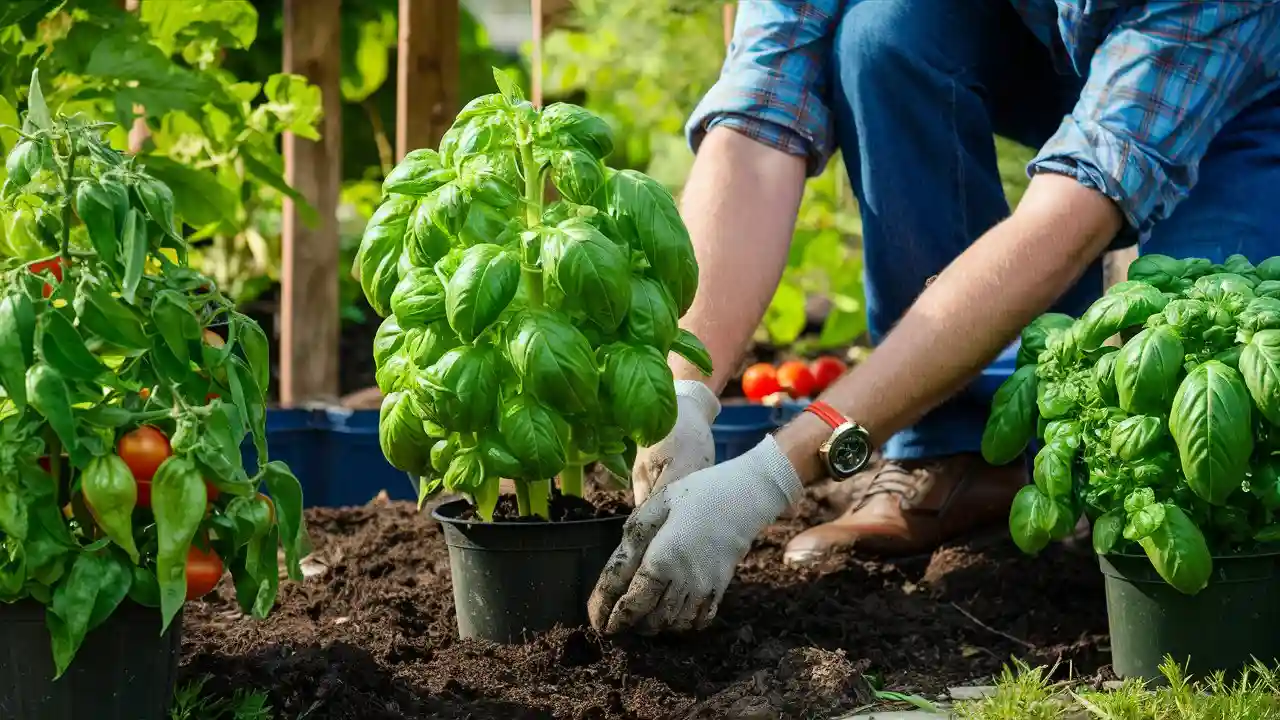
[(773, 85), (1161, 85)]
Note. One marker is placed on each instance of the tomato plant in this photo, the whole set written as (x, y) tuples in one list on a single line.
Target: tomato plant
[(760, 381), (204, 570), (524, 340), (795, 378), (1168, 442), (826, 370), (127, 314)]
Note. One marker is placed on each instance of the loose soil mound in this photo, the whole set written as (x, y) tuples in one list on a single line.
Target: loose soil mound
[(371, 634)]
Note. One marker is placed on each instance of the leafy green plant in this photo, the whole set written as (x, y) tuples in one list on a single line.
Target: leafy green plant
[(122, 413), (524, 340), (1167, 442), (213, 139)]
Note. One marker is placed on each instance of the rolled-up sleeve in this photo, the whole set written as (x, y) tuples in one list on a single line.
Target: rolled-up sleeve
[(773, 85), (1161, 85)]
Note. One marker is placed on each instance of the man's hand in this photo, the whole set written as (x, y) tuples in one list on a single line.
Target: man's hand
[(680, 548), (687, 449)]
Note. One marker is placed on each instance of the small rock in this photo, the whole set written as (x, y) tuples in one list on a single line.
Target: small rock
[(973, 692)]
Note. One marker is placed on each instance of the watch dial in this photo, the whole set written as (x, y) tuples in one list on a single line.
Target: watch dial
[(848, 454)]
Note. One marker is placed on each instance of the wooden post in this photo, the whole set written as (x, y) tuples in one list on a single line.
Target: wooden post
[(730, 14), (426, 73), (309, 280), (535, 62)]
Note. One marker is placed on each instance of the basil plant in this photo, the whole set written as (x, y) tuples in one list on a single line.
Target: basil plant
[(522, 339), (1170, 442)]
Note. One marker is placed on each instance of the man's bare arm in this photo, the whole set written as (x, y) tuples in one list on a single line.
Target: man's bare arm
[(740, 206), (968, 315)]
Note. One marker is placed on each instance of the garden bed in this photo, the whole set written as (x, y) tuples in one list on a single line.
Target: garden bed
[(371, 634)]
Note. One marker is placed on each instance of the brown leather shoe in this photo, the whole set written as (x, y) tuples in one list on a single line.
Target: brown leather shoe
[(910, 507)]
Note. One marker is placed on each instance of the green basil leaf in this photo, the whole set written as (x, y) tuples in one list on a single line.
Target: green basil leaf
[(647, 217), (639, 390), (576, 174), (466, 473), (481, 288), (1116, 311), (449, 211), (688, 346), (1147, 370), (1012, 422), (1211, 424), (414, 174), (1107, 531), (1260, 368), (377, 260), (561, 122), (1159, 271), (1052, 471), (591, 270), (1137, 437), (1034, 338), (419, 298), (536, 436), (554, 361), (404, 441), (1179, 552), (463, 385), (426, 243), (1031, 519)]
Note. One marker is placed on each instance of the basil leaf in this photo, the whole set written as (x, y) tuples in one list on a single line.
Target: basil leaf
[(591, 270), (536, 435), (400, 433), (1147, 370), (647, 217), (481, 288), (639, 391), (1211, 424), (419, 298), (377, 260), (463, 386), (554, 361), (1012, 422)]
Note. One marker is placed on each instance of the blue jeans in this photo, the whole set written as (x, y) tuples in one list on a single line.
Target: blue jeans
[(920, 88)]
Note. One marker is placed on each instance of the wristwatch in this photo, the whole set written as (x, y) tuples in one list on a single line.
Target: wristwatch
[(848, 449)]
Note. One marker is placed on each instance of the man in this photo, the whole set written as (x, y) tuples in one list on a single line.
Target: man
[(1159, 97)]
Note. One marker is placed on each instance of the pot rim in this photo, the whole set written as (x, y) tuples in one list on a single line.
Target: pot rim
[(463, 503)]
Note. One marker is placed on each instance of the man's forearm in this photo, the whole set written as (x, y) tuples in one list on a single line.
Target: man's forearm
[(740, 206), (967, 316)]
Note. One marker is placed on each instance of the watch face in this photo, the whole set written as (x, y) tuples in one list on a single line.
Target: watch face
[(848, 453)]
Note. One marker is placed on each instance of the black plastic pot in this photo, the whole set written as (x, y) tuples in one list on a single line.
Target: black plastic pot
[(125, 669), (1234, 620), (513, 578)]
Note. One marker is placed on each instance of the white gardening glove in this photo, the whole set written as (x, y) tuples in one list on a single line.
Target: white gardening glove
[(680, 548), (687, 449)]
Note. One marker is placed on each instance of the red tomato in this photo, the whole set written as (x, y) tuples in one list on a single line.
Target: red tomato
[(145, 394), (795, 378), (759, 381), (144, 493), (211, 397), (143, 450), (826, 370), (54, 266), (211, 491), (204, 570)]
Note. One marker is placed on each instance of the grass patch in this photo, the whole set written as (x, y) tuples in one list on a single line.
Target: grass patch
[(1023, 693), (190, 702)]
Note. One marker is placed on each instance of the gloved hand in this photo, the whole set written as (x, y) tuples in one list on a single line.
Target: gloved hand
[(680, 548), (687, 449)]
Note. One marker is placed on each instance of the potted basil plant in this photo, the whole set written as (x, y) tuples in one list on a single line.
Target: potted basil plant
[(122, 492), (524, 340), (1170, 444)]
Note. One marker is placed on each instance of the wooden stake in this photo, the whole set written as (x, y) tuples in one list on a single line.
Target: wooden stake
[(309, 318), (535, 62), (427, 73)]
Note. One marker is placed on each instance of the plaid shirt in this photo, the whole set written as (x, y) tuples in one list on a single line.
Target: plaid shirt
[(1164, 76)]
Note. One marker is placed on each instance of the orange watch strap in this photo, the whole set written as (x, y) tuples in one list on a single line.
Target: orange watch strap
[(828, 414)]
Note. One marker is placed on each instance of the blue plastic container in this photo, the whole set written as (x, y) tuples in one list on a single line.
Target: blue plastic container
[(740, 426), (295, 437), (355, 465)]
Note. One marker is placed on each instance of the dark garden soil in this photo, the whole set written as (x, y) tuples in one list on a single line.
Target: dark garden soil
[(371, 633)]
